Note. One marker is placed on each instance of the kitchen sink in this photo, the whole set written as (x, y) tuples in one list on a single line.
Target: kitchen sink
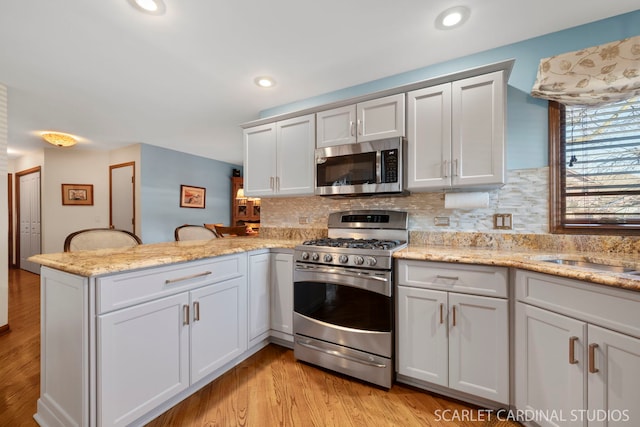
[(593, 265)]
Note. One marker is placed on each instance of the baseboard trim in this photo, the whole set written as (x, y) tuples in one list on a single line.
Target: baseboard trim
[(4, 329)]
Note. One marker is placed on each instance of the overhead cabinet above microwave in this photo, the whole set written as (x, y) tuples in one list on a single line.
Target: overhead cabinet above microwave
[(379, 118), (456, 134)]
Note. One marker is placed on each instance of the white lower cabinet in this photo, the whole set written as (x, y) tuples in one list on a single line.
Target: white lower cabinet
[(572, 368), (282, 295), (454, 339), (259, 298), (150, 352)]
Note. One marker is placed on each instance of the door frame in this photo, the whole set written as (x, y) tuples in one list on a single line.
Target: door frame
[(17, 200), (11, 261), (133, 193)]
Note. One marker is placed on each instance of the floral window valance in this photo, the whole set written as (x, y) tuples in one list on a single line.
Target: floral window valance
[(593, 76)]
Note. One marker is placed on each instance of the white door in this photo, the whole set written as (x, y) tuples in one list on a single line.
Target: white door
[(29, 220), (612, 379), (429, 138), (336, 127), (478, 130), (381, 118), (296, 150), (479, 346), (422, 335), (259, 304), (143, 359), (282, 293), (260, 160), (122, 200), (548, 379), (218, 327)]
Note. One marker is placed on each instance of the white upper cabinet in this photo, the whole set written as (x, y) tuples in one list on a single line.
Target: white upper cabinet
[(278, 158), (367, 121), (456, 134)]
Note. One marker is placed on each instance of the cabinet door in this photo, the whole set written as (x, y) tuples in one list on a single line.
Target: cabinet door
[(478, 147), (219, 326), (143, 358), (259, 304), (381, 118), (260, 160), (282, 293), (422, 335), (546, 379), (612, 381), (336, 127), (295, 163), (429, 138), (479, 346)]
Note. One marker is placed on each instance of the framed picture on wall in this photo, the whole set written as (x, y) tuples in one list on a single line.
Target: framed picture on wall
[(77, 194), (192, 197)]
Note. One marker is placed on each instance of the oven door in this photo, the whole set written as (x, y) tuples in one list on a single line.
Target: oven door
[(345, 306)]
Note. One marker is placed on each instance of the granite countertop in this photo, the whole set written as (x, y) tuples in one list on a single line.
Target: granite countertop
[(105, 261), (534, 260)]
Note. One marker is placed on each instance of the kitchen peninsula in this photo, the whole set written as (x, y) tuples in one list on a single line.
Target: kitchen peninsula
[(126, 334)]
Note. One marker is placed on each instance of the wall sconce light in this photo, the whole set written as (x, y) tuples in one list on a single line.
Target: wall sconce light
[(59, 139)]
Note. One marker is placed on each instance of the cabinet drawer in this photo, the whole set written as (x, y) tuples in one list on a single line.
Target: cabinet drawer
[(464, 278), (123, 290), (610, 307)]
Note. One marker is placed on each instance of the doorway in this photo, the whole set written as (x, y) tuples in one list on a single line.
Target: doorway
[(28, 215), (122, 214)]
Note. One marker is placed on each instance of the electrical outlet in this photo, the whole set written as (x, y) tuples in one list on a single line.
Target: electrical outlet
[(441, 221), (303, 220), (502, 221)]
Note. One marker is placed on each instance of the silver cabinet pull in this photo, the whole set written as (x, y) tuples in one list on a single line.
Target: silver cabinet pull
[(277, 183), (359, 127), (572, 350), (182, 279), (592, 358), (455, 167), (196, 311), (447, 277), (441, 315), (454, 315), (185, 314), (271, 183), (352, 129), (445, 169)]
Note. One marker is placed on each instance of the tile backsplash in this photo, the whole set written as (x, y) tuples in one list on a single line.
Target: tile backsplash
[(525, 197)]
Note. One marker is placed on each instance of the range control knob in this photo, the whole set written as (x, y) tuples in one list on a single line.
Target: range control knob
[(327, 258), (305, 255), (315, 256), (343, 259), (371, 261), (358, 260)]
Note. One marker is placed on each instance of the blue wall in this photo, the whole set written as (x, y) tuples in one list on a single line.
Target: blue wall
[(162, 173), (526, 116)]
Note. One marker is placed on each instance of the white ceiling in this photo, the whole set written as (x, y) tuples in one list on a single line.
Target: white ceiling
[(114, 76)]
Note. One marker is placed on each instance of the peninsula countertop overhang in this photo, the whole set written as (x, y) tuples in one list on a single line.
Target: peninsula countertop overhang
[(109, 261)]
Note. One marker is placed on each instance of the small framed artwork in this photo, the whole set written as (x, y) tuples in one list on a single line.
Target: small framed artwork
[(77, 194), (192, 197)]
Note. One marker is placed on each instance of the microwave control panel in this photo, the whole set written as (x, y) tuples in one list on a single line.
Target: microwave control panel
[(390, 164)]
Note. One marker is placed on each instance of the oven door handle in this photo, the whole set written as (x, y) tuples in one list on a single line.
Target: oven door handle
[(340, 272), (338, 354)]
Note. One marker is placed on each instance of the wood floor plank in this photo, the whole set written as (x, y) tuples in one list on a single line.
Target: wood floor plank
[(267, 390)]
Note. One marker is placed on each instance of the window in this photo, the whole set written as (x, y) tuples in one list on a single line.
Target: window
[(595, 168)]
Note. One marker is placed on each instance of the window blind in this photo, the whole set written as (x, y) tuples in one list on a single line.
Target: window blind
[(602, 164)]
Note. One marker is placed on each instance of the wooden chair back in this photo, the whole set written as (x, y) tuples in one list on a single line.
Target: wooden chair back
[(100, 238), (239, 230), (194, 232)]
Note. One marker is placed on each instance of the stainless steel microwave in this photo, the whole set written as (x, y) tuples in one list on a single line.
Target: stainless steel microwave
[(365, 168)]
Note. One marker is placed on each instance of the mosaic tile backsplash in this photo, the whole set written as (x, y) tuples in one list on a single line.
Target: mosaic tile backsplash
[(525, 197)]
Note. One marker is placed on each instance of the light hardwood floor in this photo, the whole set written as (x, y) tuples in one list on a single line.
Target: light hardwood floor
[(268, 389)]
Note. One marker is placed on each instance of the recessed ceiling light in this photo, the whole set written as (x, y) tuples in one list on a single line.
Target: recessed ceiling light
[(152, 7), (265, 81), (452, 17)]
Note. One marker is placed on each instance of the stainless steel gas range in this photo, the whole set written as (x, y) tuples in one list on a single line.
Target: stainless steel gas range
[(343, 295)]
